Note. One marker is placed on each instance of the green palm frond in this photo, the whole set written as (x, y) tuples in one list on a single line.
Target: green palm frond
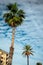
[(7, 15), (17, 20), (21, 13), (10, 22), (14, 8), (27, 47), (9, 6)]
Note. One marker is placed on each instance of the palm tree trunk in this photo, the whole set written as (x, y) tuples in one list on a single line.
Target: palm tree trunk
[(11, 48), (27, 60), (13, 33)]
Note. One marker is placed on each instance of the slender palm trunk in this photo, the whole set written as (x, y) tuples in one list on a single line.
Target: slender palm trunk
[(11, 48), (27, 59), (13, 33)]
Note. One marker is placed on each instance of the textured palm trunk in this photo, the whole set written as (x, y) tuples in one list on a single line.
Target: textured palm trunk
[(27, 59), (11, 48)]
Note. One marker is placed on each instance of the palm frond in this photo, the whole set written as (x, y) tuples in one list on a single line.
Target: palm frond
[(14, 8), (7, 15), (21, 13), (9, 6), (23, 52)]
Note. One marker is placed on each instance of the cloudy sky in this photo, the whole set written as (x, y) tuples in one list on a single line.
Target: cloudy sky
[(30, 32), (23, 1)]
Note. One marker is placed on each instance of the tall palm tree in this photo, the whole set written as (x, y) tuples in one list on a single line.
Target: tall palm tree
[(27, 51), (38, 63), (14, 17)]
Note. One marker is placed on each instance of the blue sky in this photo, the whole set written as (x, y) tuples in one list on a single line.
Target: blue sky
[(30, 32)]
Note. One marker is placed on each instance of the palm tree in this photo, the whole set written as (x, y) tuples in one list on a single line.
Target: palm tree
[(38, 63), (14, 17), (27, 51)]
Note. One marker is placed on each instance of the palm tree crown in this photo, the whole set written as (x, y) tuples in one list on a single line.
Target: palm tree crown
[(14, 17), (27, 50)]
